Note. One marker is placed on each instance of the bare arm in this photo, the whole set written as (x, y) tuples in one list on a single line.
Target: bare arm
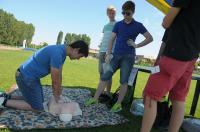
[(148, 39), (110, 45), (169, 18), (56, 76)]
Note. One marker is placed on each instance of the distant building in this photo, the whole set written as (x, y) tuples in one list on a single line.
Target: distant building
[(143, 60), (138, 58), (93, 53)]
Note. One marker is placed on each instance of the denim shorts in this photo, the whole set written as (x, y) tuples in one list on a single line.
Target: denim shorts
[(122, 62), (31, 90)]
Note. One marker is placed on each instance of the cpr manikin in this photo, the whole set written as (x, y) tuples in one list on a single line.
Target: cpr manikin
[(65, 108)]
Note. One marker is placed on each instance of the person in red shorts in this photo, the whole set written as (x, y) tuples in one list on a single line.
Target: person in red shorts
[(176, 63)]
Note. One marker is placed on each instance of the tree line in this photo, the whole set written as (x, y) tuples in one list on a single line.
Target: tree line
[(14, 32), (71, 37)]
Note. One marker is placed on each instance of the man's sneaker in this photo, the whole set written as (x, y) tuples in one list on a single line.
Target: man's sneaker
[(3, 94), (116, 108), (91, 101), (3, 98)]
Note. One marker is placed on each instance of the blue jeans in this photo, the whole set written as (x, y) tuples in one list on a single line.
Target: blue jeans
[(122, 62), (31, 90)]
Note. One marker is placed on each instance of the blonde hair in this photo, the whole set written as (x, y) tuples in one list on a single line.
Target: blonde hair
[(111, 8)]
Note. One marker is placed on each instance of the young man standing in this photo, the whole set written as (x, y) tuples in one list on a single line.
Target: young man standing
[(176, 64), (107, 33), (48, 60), (123, 57)]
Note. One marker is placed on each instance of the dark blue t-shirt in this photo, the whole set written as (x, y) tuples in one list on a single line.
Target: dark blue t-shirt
[(38, 65), (125, 32)]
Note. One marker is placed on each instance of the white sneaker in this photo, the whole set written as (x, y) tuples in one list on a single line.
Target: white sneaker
[(2, 99), (1, 102)]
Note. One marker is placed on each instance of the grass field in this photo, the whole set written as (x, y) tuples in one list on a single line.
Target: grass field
[(81, 73)]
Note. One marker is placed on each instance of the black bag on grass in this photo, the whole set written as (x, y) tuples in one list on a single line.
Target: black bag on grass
[(104, 98), (163, 115), (114, 99), (127, 98)]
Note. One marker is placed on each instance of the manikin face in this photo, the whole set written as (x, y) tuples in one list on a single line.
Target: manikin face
[(75, 55), (128, 14), (111, 14)]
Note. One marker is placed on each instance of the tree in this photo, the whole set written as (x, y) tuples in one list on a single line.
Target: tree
[(71, 37), (14, 32), (86, 38), (68, 38), (59, 38), (29, 33)]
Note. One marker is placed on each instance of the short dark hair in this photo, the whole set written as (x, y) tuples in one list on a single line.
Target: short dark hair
[(82, 46), (129, 5)]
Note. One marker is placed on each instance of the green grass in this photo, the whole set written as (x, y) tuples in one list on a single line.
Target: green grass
[(82, 73)]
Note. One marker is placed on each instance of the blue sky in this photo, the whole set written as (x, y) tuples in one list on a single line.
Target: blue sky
[(82, 17)]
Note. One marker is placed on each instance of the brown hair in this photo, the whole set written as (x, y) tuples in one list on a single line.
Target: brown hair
[(82, 46), (129, 5)]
